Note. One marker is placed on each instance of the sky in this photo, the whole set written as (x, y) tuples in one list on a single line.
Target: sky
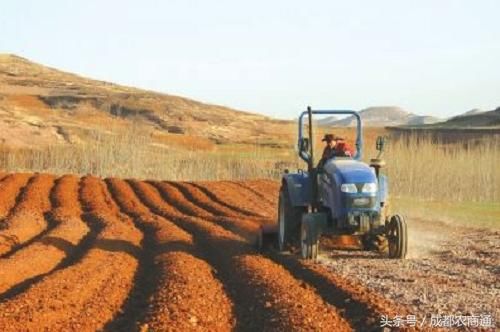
[(430, 57)]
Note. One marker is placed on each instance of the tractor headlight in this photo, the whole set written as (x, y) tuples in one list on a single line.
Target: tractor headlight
[(348, 188), (369, 188)]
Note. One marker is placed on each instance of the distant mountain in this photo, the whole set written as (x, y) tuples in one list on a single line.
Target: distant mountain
[(380, 117), (327, 121), (472, 112), (474, 118)]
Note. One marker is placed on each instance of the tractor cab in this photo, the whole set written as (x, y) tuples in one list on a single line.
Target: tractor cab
[(341, 196)]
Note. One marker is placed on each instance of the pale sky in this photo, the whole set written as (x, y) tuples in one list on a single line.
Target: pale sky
[(435, 57)]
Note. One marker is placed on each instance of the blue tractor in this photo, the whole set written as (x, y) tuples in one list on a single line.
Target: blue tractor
[(342, 196)]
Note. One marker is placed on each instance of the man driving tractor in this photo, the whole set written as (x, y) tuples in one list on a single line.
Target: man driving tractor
[(335, 147)]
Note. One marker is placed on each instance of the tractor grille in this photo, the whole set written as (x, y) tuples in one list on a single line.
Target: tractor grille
[(365, 202)]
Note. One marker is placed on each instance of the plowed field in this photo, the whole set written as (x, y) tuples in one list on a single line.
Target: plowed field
[(85, 254)]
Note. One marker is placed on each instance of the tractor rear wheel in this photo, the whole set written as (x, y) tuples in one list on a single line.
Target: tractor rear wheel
[(309, 243), (289, 218), (397, 237)]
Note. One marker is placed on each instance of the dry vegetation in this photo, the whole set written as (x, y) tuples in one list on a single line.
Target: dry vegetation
[(417, 167), (132, 154), (433, 171)]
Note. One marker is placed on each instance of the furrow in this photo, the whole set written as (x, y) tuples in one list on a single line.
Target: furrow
[(245, 186), (10, 187), (267, 188), (177, 290), (247, 227), (88, 294), (21, 269), (224, 195), (174, 196), (360, 306), (199, 197), (27, 218), (231, 191), (266, 296)]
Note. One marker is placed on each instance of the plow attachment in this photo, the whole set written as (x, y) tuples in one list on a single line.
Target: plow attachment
[(267, 237)]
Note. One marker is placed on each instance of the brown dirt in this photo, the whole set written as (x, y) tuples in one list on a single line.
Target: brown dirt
[(265, 189), (45, 254), (199, 197), (10, 186), (148, 256), (89, 293), (185, 201), (27, 219), (261, 302), (241, 195), (187, 295)]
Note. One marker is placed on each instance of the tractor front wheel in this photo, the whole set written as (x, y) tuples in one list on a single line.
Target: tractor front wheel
[(376, 243), (309, 243), (397, 237), (288, 221)]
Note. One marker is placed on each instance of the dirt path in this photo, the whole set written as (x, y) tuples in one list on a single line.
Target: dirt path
[(450, 270)]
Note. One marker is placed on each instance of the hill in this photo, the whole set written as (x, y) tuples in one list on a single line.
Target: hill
[(474, 118), (380, 117), (47, 106)]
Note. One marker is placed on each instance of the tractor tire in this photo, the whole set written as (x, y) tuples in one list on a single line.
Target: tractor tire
[(397, 237), (309, 244), (289, 219)]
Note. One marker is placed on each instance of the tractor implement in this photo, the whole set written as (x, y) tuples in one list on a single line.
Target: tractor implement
[(342, 201)]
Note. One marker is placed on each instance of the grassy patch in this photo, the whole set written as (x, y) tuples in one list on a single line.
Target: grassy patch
[(473, 214)]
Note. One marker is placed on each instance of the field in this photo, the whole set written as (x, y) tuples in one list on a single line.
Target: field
[(85, 253)]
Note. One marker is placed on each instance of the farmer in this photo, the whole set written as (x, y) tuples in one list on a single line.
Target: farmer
[(335, 147)]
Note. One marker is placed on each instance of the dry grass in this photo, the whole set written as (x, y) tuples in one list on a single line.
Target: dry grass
[(417, 168), (137, 154), (429, 170)]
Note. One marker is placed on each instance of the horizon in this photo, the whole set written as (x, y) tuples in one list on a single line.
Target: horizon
[(265, 61)]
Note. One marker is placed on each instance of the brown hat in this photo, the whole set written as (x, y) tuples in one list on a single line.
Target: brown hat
[(328, 138)]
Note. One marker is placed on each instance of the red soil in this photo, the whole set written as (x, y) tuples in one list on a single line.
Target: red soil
[(131, 255)]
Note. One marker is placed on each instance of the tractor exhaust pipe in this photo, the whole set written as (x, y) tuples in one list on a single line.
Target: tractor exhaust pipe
[(310, 165)]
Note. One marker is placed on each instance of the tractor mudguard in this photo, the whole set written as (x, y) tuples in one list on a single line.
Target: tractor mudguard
[(299, 188)]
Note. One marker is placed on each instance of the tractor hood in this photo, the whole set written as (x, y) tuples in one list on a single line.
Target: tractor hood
[(350, 171)]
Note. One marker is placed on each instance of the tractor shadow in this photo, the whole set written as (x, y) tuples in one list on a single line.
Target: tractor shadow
[(351, 254)]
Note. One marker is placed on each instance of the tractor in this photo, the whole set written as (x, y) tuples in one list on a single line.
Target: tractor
[(342, 197)]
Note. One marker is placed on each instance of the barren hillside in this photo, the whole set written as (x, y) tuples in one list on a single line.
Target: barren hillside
[(381, 116), (45, 105)]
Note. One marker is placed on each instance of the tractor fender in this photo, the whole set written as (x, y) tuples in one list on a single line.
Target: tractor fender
[(299, 188)]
